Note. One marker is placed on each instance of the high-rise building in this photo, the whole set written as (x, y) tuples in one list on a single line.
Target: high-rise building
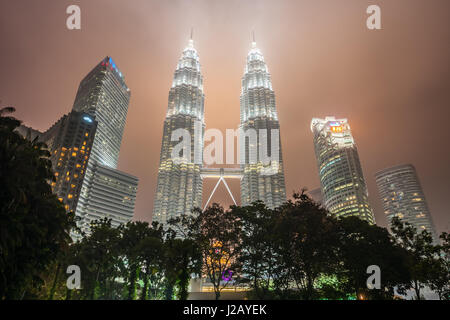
[(109, 193), (402, 196), (341, 177), (179, 185), (69, 142), (104, 94), (106, 191), (262, 180)]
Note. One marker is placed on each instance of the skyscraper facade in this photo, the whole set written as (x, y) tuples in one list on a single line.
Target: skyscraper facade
[(69, 142), (104, 94), (402, 196), (109, 193), (179, 185), (258, 113), (106, 191), (342, 181)]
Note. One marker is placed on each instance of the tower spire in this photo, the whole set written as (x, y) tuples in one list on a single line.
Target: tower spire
[(254, 41), (191, 41)]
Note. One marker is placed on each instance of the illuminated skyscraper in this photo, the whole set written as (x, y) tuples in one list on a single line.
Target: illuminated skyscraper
[(106, 191), (342, 182), (179, 186), (403, 197), (261, 180), (104, 94), (69, 142)]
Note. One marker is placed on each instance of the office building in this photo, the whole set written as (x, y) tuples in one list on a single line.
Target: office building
[(179, 185), (342, 181), (402, 196), (104, 95), (262, 180)]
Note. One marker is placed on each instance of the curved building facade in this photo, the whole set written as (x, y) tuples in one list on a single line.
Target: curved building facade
[(342, 181), (402, 196)]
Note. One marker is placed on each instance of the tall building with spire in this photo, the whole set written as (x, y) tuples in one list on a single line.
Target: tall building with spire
[(179, 185), (261, 180), (106, 191), (342, 181)]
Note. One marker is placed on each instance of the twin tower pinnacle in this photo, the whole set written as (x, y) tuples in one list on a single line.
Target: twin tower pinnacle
[(180, 186)]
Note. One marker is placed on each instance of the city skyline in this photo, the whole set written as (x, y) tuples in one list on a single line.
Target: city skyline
[(383, 141)]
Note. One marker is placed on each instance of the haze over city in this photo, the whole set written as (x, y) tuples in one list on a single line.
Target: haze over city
[(391, 84)]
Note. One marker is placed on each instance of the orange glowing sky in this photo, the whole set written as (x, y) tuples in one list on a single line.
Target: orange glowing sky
[(392, 84)]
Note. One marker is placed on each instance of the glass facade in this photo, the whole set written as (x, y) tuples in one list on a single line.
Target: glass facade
[(104, 94), (258, 112), (402, 196), (69, 142), (106, 191), (179, 186), (109, 193), (342, 181)]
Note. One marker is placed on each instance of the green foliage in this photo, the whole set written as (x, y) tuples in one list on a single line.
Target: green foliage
[(34, 226), (361, 245), (428, 264), (439, 278), (257, 263), (214, 233), (296, 251)]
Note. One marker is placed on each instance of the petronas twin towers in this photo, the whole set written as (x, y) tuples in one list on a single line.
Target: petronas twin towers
[(180, 184)]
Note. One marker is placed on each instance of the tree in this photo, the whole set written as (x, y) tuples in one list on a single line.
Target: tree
[(151, 254), (440, 269), (215, 232), (259, 248), (34, 226), (99, 259), (130, 248), (421, 251), (362, 245), (309, 243), (182, 259)]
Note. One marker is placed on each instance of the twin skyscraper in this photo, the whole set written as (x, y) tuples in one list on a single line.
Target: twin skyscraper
[(85, 146), (180, 183)]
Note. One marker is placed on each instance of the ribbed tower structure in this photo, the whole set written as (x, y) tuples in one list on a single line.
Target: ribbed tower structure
[(179, 186), (258, 112)]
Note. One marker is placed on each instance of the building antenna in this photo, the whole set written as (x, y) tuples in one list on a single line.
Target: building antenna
[(192, 32), (253, 33)]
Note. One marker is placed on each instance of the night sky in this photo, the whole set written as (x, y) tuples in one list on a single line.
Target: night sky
[(393, 85)]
